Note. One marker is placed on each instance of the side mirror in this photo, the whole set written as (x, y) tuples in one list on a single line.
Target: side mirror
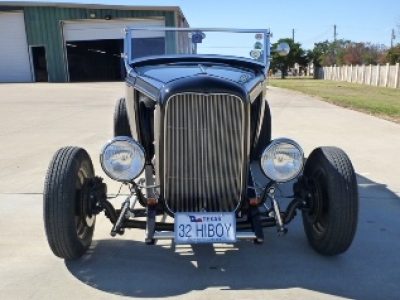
[(283, 49)]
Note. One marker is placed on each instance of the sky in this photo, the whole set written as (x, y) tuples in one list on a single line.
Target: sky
[(313, 21)]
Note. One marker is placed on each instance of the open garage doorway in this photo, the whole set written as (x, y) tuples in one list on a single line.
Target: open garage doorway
[(93, 47), (39, 63), (96, 60)]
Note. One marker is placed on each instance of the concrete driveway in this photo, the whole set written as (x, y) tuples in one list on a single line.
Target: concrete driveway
[(37, 119)]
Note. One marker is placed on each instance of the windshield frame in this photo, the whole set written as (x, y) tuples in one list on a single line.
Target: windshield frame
[(128, 45)]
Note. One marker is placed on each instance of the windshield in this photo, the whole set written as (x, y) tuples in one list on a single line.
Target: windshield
[(249, 44)]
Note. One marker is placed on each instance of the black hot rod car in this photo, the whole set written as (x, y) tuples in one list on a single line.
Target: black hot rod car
[(195, 121)]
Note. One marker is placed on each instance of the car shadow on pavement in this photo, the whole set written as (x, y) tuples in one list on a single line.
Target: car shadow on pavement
[(368, 270)]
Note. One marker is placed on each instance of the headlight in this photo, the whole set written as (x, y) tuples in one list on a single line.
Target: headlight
[(122, 159), (282, 160)]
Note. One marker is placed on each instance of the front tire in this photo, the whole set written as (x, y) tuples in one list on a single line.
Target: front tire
[(121, 121), (331, 222), (69, 229)]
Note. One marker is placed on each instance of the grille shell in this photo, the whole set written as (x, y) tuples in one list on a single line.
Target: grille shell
[(203, 152)]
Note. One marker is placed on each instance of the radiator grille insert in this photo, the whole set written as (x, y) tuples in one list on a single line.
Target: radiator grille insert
[(203, 152)]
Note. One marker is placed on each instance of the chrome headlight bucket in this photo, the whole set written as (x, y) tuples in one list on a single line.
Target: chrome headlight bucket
[(282, 160), (122, 159)]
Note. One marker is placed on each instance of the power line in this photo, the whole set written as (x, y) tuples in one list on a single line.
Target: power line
[(319, 36)]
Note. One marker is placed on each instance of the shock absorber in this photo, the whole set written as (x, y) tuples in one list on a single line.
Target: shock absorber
[(277, 212), (122, 216)]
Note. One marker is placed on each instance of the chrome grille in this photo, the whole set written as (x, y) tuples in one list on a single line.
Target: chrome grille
[(203, 152)]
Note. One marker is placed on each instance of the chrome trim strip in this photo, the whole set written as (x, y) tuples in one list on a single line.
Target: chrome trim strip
[(266, 31), (170, 235), (245, 235), (145, 92), (257, 90)]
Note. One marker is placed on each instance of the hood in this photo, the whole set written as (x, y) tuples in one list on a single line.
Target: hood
[(168, 73)]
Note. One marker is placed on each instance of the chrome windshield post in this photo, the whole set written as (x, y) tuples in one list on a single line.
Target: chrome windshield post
[(127, 49)]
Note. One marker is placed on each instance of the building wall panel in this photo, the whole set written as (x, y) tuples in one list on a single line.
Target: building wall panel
[(14, 58), (43, 27)]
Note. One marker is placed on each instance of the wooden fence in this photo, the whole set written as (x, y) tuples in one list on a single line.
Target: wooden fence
[(380, 75)]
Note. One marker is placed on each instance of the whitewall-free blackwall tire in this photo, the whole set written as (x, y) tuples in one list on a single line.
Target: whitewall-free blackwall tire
[(331, 222), (121, 121), (69, 234)]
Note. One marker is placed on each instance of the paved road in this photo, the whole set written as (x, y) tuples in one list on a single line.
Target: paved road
[(37, 119)]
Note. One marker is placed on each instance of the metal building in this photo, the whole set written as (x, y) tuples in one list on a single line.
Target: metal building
[(59, 42)]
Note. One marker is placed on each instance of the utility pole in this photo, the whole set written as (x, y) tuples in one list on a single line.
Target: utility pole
[(293, 35), (392, 37), (334, 33), (334, 43)]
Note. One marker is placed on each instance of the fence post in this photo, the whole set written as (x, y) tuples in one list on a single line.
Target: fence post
[(370, 75), (387, 75), (356, 80), (334, 73), (363, 74), (351, 73), (396, 76), (341, 72), (378, 74)]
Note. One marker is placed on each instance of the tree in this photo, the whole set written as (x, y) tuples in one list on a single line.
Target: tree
[(374, 54), (317, 54), (343, 51), (393, 55), (329, 53), (296, 55)]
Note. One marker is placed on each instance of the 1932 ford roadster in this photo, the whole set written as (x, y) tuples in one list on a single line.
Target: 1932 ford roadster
[(196, 125)]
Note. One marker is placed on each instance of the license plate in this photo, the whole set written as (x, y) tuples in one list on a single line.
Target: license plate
[(191, 228)]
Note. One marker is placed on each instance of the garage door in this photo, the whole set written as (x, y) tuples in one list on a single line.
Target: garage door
[(14, 57), (88, 30)]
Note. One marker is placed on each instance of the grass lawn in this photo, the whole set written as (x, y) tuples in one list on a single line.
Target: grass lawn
[(378, 101)]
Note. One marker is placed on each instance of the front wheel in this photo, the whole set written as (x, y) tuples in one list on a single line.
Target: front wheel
[(68, 223), (331, 222), (121, 121)]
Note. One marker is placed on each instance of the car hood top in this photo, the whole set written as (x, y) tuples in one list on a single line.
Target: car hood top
[(172, 72)]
